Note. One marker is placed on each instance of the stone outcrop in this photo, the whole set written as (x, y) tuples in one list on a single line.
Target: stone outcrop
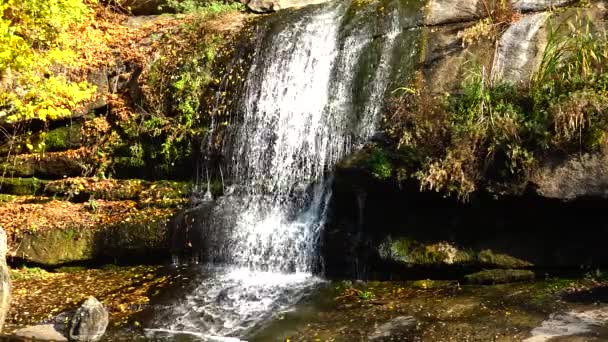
[(137, 237), (90, 321)]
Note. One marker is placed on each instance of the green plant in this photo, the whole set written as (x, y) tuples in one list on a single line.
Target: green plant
[(92, 205), (365, 295), (206, 8)]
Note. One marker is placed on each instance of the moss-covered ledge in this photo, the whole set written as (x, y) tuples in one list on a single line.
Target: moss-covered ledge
[(50, 232)]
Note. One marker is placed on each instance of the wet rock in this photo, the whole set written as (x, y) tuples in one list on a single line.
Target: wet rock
[(399, 327), (5, 279), (581, 323), (46, 332), (89, 322), (265, 6), (490, 277)]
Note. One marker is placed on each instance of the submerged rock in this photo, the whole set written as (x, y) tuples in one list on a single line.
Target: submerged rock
[(488, 277), (46, 332), (89, 322), (398, 327)]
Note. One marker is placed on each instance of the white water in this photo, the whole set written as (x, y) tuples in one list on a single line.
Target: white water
[(298, 121)]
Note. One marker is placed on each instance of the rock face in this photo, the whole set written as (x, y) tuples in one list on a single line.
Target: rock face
[(46, 332), (378, 231), (519, 50), (399, 327), (5, 279), (89, 322), (578, 176)]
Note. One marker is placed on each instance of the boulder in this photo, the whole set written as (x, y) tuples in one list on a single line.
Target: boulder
[(399, 327), (5, 279), (46, 332), (89, 322)]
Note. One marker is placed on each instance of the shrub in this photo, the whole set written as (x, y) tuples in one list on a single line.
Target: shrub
[(34, 45)]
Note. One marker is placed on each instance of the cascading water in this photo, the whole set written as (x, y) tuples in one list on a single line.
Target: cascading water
[(315, 88)]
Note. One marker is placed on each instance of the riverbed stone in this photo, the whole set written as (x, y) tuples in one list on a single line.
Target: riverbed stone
[(90, 321), (399, 327), (44, 332)]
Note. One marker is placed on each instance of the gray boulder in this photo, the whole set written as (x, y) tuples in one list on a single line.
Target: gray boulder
[(5, 279), (89, 322), (44, 332)]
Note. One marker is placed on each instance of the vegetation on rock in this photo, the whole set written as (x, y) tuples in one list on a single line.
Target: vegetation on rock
[(494, 133)]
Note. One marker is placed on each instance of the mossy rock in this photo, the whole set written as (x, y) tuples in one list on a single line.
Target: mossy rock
[(52, 165), (82, 189), (490, 258), (413, 252), (22, 186), (499, 276), (141, 236), (62, 138)]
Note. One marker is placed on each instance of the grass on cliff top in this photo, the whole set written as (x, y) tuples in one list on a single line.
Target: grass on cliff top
[(493, 134)]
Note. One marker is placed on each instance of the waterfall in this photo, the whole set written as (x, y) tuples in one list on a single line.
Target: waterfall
[(314, 91)]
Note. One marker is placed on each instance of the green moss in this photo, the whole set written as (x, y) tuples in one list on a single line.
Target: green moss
[(8, 198), (27, 273), (379, 164), (499, 276)]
